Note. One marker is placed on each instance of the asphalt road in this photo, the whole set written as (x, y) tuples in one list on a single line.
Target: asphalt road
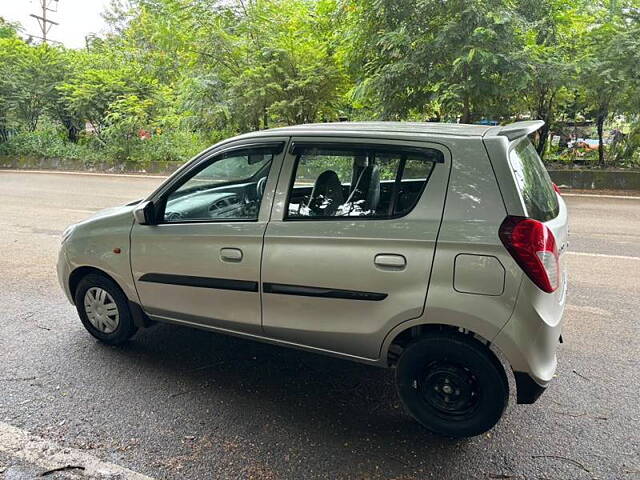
[(180, 403)]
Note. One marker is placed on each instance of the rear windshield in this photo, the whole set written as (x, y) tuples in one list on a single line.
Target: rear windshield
[(533, 181)]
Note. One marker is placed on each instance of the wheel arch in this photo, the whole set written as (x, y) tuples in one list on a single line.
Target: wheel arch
[(399, 338), (80, 272), (140, 318), (527, 390)]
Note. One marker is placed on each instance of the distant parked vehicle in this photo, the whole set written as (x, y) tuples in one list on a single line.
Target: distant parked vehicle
[(424, 247), (588, 143)]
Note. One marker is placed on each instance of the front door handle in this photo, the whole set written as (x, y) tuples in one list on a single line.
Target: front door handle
[(390, 261), (231, 255)]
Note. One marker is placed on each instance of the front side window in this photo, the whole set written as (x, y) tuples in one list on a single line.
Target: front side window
[(361, 181), (230, 187)]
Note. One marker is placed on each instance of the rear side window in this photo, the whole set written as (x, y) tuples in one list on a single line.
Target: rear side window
[(358, 181), (533, 182)]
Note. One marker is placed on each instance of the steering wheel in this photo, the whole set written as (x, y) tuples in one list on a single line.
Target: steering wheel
[(172, 216), (260, 186)]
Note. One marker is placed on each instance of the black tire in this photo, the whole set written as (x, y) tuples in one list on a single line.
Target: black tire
[(125, 328), (452, 384)]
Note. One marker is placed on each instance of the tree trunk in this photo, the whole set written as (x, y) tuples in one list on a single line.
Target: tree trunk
[(542, 140), (72, 134), (466, 110), (72, 131), (544, 112), (600, 124), (4, 132)]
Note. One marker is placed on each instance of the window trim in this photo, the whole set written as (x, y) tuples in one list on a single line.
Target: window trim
[(397, 183), (198, 166), (378, 147), (297, 148)]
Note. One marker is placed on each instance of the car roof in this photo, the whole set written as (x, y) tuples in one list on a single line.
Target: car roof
[(397, 130), (415, 128)]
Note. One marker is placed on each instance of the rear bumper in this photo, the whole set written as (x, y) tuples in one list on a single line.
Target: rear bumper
[(531, 337)]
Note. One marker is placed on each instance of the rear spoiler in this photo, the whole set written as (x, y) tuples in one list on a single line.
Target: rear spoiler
[(515, 130)]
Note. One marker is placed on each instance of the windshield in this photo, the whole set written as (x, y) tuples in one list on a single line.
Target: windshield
[(533, 182)]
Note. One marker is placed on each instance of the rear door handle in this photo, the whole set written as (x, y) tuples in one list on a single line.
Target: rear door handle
[(390, 261), (230, 254)]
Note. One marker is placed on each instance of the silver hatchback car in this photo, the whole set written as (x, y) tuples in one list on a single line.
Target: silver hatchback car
[(424, 247)]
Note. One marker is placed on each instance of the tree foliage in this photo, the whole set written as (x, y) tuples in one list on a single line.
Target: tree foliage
[(454, 59), (174, 75)]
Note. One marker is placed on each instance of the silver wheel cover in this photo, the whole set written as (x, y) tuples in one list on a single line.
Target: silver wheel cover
[(101, 310)]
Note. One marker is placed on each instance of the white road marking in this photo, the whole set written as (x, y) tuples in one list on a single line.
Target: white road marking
[(585, 254), (588, 309), (48, 455), (76, 210), (95, 174), (595, 195)]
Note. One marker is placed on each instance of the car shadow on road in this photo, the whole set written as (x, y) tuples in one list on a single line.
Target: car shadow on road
[(264, 389)]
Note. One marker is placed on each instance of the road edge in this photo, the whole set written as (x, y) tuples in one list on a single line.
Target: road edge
[(20, 444)]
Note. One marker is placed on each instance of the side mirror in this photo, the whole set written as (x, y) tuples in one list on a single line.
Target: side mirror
[(144, 213)]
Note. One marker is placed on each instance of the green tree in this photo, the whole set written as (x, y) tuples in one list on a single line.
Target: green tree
[(446, 59), (277, 61), (608, 68), (39, 69), (12, 49), (58, 108), (92, 91), (190, 72), (627, 50), (126, 118), (553, 30), (8, 29)]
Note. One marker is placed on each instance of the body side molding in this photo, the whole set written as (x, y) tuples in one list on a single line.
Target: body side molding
[(200, 282)]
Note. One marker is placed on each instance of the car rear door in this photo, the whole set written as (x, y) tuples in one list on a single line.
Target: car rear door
[(348, 250)]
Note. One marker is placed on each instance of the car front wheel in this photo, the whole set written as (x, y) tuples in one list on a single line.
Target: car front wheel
[(104, 310), (452, 384)]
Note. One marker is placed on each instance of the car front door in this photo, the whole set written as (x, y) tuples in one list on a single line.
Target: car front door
[(200, 264), (349, 247)]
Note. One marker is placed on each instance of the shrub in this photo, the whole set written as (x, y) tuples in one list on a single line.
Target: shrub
[(169, 146), (165, 148), (47, 142)]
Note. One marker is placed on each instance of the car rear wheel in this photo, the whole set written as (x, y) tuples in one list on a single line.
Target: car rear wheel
[(104, 310), (452, 384)]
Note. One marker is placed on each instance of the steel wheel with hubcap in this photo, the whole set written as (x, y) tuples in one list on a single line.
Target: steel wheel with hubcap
[(104, 309), (452, 384), (101, 310)]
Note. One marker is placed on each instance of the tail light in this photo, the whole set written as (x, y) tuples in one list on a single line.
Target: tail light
[(533, 246), (557, 189)]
